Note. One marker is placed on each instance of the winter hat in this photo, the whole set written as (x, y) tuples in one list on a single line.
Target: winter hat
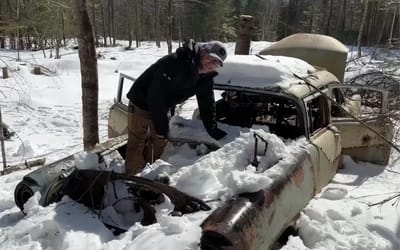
[(215, 49)]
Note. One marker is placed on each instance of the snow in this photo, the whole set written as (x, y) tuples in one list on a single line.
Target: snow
[(45, 112), (262, 72)]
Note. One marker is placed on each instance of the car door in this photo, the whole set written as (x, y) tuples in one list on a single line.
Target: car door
[(369, 105), (325, 139), (117, 119)]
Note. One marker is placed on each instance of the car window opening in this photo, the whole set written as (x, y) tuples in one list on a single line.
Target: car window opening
[(246, 109)]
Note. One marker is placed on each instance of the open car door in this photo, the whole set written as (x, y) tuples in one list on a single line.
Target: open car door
[(117, 119), (370, 106)]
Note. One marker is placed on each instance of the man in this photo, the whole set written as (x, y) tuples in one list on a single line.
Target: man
[(171, 80)]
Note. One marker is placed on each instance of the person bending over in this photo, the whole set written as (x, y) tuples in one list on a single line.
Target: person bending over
[(170, 81)]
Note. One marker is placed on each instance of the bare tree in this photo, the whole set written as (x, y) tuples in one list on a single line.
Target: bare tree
[(130, 24), (94, 22), (342, 18), (138, 29), (18, 47), (157, 32), (360, 32), (103, 23), (169, 35), (391, 28), (329, 18), (112, 21), (383, 26), (109, 13), (88, 62), (246, 26), (311, 20)]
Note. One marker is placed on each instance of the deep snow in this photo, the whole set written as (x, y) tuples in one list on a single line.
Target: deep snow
[(45, 112)]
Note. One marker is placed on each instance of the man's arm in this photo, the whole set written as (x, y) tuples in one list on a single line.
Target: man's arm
[(156, 101), (206, 103)]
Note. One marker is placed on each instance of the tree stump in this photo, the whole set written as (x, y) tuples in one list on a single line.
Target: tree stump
[(37, 70), (5, 72), (246, 26)]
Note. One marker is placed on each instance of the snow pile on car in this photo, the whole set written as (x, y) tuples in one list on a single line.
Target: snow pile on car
[(262, 72)]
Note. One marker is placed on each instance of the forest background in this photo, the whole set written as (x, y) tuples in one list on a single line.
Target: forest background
[(40, 24)]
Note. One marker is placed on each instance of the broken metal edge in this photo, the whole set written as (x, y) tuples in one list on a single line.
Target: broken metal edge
[(49, 179)]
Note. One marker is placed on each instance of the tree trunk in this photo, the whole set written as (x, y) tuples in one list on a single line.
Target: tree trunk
[(142, 25), (360, 32), (392, 28), (265, 20), (311, 21), (94, 23), (57, 47), (383, 26), (292, 17), (137, 24), (329, 18), (3, 148), (179, 13), (157, 22), (112, 21), (5, 72), (88, 63), (37, 70), (63, 28), (351, 15), (342, 19), (372, 19), (246, 25), (17, 42), (130, 24), (103, 21), (109, 21), (169, 35)]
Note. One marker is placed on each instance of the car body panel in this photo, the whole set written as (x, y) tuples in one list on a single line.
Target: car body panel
[(255, 221), (318, 50), (358, 141), (364, 145)]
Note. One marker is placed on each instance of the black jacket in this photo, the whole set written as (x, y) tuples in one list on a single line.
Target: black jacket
[(170, 81)]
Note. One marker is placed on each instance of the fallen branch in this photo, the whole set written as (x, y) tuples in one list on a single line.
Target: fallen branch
[(396, 196), (25, 165), (392, 171)]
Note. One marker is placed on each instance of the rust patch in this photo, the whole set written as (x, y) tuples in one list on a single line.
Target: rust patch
[(298, 177), (366, 139), (268, 198)]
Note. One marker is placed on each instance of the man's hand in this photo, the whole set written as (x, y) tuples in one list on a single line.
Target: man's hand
[(217, 133), (161, 136)]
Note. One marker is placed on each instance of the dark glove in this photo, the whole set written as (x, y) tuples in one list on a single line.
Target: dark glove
[(217, 133)]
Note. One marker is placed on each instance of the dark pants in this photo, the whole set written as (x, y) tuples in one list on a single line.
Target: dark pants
[(143, 143)]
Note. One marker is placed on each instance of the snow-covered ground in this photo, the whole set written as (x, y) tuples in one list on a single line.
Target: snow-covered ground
[(45, 113)]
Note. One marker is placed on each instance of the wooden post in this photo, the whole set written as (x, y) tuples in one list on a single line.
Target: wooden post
[(246, 25), (3, 149), (5, 72)]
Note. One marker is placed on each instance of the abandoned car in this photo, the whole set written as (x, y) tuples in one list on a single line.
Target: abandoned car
[(280, 95)]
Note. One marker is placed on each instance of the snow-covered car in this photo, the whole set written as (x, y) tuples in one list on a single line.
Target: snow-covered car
[(293, 100), (288, 124)]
